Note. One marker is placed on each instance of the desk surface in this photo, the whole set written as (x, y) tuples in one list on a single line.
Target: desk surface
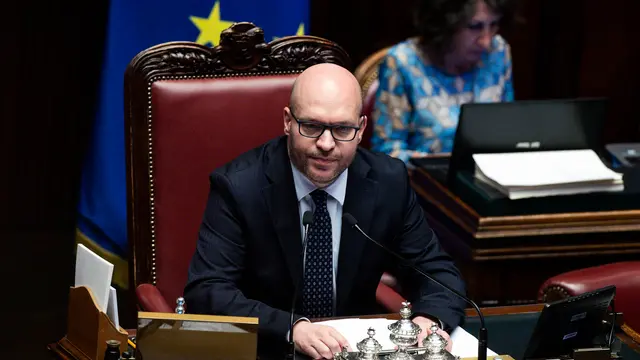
[(497, 320), (502, 325), (504, 319)]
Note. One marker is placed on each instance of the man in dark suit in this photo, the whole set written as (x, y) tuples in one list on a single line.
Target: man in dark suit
[(248, 258)]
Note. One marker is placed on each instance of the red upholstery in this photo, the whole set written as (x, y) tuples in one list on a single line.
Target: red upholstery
[(624, 275), (199, 126), (389, 298), (150, 299)]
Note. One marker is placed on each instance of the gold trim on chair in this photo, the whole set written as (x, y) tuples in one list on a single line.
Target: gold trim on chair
[(367, 71), (632, 333), (554, 293)]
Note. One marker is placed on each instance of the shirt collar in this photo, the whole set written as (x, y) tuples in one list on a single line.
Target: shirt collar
[(337, 189)]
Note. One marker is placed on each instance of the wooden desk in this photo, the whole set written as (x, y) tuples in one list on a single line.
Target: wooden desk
[(469, 313), (505, 259)]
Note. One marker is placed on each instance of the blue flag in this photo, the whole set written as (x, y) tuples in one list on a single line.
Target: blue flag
[(133, 26)]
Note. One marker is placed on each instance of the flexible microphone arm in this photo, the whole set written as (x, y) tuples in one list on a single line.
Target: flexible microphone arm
[(482, 336), (307, 220)]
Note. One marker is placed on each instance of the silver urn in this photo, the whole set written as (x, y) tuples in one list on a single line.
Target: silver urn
[(404, 334), (369, 347), (434, 345)]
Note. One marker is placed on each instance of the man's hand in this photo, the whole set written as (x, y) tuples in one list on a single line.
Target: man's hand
[(318, 341), (425, 325)]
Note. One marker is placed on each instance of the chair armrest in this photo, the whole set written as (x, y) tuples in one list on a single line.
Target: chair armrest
[(624, 275), (388, 298), (391, 282), (150, 299)]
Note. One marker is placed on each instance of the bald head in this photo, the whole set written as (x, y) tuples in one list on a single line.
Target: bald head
[(326, 85), (323, 122)]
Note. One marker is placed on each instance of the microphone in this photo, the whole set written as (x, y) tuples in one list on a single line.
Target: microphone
[(482, 336), (307, 220)]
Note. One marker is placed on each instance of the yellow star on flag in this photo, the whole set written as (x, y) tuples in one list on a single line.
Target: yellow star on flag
[(211, 27)]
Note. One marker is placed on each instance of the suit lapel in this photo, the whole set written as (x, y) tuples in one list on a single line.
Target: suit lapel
[(281, 200), (359, 202), (282, 203)]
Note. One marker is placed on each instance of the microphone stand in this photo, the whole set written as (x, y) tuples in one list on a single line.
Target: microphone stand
[(482, 334), (307, 220)]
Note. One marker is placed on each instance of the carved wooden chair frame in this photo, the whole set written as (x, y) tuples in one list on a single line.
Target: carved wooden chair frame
[(367, 71), (242, 52)]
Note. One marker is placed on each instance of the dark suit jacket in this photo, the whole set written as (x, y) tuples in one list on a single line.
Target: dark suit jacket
[(248, 255)]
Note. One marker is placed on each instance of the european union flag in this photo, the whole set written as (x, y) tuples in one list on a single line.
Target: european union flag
[(132, 27)]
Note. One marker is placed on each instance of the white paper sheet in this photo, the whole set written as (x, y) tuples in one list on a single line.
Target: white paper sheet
[(354, 330), (544, 168), (112, 307), (95, 273)]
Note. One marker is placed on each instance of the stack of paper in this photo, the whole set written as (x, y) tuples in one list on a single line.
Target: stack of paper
[(355, 330), (546, 173), (95, 273)]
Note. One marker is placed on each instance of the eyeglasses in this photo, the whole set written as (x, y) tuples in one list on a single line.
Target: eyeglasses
[(314, 130)]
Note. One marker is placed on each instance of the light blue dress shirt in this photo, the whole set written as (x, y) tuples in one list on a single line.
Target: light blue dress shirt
[(335, 201)]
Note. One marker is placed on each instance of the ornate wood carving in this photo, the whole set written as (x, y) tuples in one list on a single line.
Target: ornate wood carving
[(242, 49)]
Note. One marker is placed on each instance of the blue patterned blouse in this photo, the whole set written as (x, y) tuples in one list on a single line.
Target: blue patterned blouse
[(417, 105)]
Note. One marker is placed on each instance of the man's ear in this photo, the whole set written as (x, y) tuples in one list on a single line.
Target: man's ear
[(362, 128), (286, 114)]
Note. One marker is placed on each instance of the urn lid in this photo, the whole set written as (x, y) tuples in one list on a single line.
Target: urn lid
[(404, 326)]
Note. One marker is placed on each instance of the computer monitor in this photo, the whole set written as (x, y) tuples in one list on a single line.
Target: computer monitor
[(532, 125), (570, 324)]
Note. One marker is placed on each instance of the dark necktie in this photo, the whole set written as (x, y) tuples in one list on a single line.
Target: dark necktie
[(317, 292)]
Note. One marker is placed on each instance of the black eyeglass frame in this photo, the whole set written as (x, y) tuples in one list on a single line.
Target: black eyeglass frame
[(325, 127)]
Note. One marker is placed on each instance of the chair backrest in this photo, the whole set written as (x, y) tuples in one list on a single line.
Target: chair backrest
[(189, 109), (367, 75)]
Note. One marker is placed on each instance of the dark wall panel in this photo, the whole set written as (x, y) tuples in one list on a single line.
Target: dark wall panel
[(562, 49), (50, 64)]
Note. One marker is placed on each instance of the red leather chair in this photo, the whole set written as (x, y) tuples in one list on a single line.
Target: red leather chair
[(190, 109), (624, 275)]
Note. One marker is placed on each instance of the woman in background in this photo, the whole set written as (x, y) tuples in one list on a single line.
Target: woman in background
[(458, 58)]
